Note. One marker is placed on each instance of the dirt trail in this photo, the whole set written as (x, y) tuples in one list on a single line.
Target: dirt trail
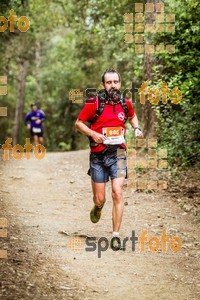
[(43, 200)]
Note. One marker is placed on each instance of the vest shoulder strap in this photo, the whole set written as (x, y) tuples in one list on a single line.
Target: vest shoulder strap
[(124, 106), (99, 111), (101, 105)]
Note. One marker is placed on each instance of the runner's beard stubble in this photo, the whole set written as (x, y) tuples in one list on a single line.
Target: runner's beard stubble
[(113, 94)]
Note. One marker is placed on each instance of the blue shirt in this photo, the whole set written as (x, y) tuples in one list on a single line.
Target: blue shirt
[(32, 116)]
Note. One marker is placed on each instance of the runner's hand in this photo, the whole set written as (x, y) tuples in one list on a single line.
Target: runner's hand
[(28, 126), (98, 137), (138, 133), (38, 121)]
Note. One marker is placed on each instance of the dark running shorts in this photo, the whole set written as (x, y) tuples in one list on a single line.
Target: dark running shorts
[(39, 134), (109, 163)]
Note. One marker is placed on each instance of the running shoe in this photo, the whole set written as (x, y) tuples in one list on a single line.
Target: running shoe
[(115, 243), (95, 213)]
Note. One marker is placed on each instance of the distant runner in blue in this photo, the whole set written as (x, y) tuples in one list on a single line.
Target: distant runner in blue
[(33, 121)]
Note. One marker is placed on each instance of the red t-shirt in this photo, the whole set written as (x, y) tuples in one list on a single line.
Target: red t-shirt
[(112, 116)]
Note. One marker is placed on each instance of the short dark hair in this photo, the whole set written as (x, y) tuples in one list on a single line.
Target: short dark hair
[(33, 104), (110, 70)]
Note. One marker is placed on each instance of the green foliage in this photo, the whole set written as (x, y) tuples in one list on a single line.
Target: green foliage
[(178, 127), (78, 40)]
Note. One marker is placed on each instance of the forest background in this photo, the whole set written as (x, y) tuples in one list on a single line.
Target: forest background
[(68, 46)]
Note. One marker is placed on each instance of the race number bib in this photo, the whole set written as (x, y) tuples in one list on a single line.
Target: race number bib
[(36, 130), (115, 135)]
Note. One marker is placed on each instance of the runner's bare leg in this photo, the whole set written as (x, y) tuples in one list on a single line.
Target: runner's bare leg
[(41, 140), (118, 205), (35, 137), (99, 189)]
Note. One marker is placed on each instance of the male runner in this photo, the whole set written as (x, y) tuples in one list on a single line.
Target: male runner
[(108, 157), (33, 121)]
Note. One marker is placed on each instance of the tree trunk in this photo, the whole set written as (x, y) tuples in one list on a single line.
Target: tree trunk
[(148, 114), (20, 100), (20, 89), (38, 70)]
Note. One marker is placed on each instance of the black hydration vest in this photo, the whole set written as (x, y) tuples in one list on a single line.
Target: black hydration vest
[(99, 111), (101, 105)]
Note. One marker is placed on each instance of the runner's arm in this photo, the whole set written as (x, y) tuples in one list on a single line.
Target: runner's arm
[(83, 128), (134, 123), (42, 116), (27, 119)]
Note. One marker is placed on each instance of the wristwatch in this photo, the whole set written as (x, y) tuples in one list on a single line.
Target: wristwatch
[(137, 128)]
